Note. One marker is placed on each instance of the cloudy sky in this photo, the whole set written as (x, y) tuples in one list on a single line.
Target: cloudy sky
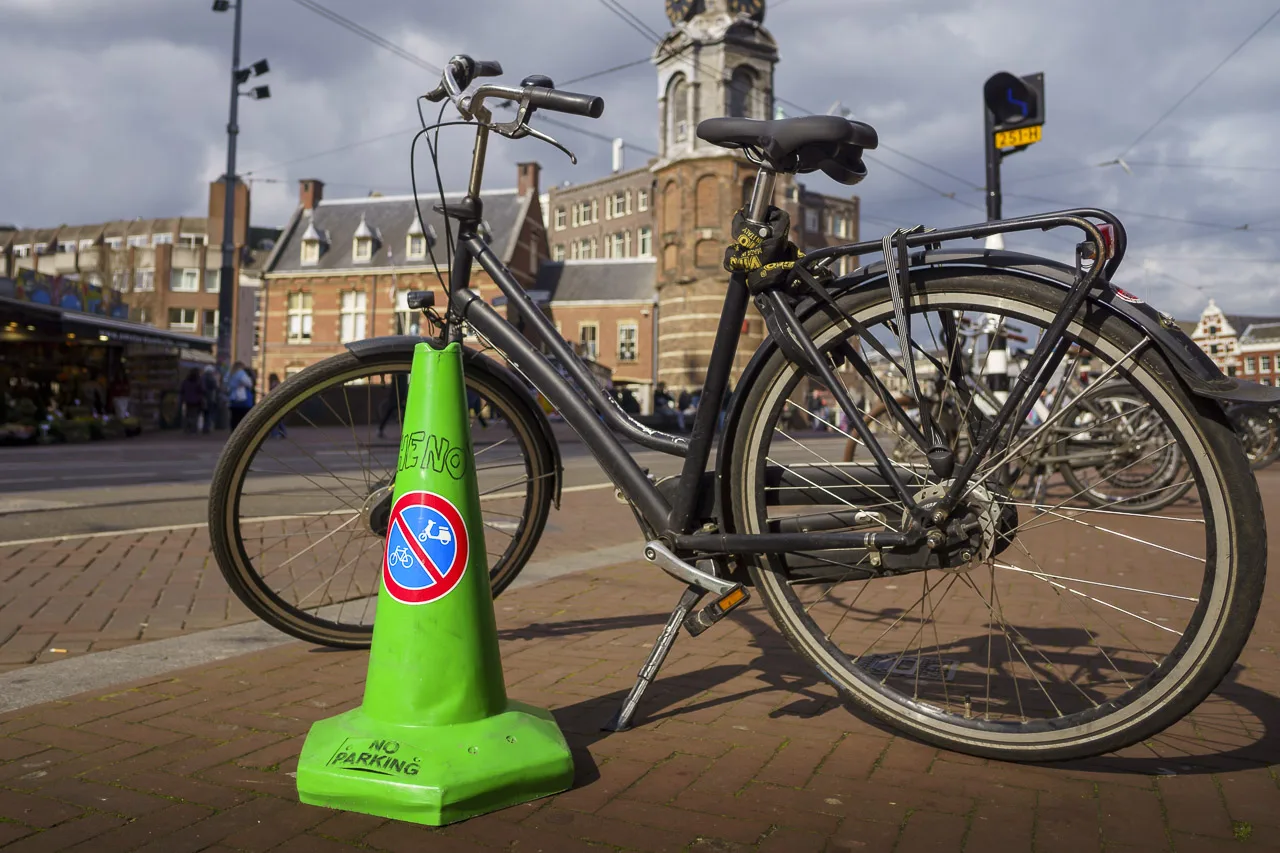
[(118, 109)]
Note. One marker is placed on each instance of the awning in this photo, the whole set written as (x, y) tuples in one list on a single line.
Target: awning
[(97, 326)]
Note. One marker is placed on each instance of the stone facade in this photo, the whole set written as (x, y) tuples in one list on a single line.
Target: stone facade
[(1237, 343), (608, 218)]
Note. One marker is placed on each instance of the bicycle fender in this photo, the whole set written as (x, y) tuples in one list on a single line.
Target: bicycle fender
[(473, 360), (1195, 368)]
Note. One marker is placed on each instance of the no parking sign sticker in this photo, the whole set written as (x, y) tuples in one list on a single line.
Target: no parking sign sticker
[(427, 548)]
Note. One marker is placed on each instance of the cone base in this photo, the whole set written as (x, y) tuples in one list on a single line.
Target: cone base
[(434, 775)]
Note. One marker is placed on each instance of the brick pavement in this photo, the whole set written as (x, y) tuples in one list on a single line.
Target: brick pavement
[(90, 594), (738, 747)]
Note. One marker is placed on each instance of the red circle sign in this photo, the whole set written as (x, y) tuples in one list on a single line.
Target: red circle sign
[(427, 548)]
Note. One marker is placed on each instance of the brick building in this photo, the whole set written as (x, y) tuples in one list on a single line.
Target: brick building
[(166, 271), (343, 267), (608, 218), (1241, 345)]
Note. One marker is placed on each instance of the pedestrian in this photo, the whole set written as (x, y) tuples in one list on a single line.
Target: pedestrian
[(192, 396), (393, 403), (474, 406), (279, 430), (211, 382), (239, 393)]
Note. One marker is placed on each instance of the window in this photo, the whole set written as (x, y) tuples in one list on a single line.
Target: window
[(114, 242), (642, 200), (298, 312), (1264, 363), (139, 241), (589, 340), (363, 249), (739, 95), (618, 204), (185, 281), (408, 322), (595, 210), (1213, 330), (619, 245), (1213, 349), (560, 219), (209, 327), (310, 251), (42, 248), (678, 108), (66, 247), (840, 226), (628, 339), (182, 319), (353, 315), (192, 241), (416, 246), (87, 243), (144, 280), (161, 239), (120, 281), (583, 249), (812, 222), (557, 252), (1231, 370), (644, 247), (23, 251), (586, 212), (212, 281), (94, 279), (1250, 365)]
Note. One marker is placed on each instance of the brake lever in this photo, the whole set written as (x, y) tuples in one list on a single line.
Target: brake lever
[(537, 134), (518, 128)]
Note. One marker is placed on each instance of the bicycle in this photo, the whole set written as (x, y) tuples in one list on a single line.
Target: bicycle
[(857, 564)]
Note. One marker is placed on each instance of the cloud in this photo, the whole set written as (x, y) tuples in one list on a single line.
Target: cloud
[(118, 110)]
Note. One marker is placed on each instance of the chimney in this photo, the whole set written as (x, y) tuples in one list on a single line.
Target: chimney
[(529, 174), (310, 192), (617, 154)]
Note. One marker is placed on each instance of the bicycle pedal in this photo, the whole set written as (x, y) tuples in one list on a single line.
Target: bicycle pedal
[(700, 620)]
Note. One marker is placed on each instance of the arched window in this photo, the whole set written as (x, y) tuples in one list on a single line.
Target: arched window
[(678, 108), (741, 85)]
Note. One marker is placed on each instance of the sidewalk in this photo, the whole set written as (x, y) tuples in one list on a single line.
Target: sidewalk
[(738, 747)]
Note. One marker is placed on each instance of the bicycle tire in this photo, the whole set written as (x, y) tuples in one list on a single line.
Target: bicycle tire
[(1234, 563), (248, 581)]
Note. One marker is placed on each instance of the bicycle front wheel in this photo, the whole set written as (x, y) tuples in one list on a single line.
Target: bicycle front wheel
[(301, 497), (1070, 629)]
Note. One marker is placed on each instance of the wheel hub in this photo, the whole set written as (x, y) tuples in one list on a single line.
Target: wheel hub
[(376, 509), (977, 529)]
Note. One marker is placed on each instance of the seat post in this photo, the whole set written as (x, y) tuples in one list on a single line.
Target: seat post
[(761, 196)]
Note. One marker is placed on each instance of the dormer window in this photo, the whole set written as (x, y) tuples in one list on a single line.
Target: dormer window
[(311, 244), (419, 240), (362, 243)]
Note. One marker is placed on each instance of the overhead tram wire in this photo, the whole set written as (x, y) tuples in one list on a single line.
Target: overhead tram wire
[(1199, 83), (366, 34)]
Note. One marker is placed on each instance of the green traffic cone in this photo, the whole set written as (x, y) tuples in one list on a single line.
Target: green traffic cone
[(436, 739)]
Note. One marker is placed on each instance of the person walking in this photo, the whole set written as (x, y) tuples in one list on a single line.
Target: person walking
[(211, 383), (192, 395), (239, 393)]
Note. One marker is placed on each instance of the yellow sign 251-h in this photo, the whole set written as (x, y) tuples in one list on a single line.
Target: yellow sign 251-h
[(1019, 136)]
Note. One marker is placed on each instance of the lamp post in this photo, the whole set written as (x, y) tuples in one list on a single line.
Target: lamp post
[(227, 285)]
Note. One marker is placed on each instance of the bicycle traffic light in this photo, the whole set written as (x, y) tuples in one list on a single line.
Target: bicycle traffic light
[(1017, 108)]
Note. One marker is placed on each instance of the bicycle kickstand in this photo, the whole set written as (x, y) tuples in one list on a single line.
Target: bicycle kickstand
[(621, 721)]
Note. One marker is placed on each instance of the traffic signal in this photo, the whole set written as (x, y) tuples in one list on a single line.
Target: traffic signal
[(1017, 108)]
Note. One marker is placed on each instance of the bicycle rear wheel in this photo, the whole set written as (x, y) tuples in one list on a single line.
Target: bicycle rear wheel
[(300, 499), (1071, 629)]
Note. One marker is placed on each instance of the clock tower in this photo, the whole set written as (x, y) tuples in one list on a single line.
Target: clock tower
[(717, 61)]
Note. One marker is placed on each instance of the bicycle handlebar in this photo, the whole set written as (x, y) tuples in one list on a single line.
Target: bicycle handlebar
[(461, 70), (591, 106)]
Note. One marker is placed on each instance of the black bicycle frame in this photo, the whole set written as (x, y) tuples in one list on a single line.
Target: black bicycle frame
[(583, 404)]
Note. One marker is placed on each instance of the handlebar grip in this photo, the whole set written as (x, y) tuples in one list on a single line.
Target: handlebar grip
[(591, 106), (488, 68)]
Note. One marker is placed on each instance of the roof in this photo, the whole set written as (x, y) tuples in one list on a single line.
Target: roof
[(1241, 322), (616, 280), (97, 326), (390, 218), (1258, 333)]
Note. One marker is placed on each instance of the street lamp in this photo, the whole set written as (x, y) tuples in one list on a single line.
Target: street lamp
[(227, 286)]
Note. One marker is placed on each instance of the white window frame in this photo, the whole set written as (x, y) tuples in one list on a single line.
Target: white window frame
[(138, 241), (310, 252), (1264, 364), (114, 242), (213, 281), (193, 241), (409, 252), (298, 317), (162, 239), (42, 248), (590, 348), (812, 220), (144, 281), (1250, 364), (22, 251), (632, 327), (362, 250), (353, 307), (185, 280), (66, 247), (120, 281), (207, 329), (642, 200), (557, 252), (87, 243), (183, 325), (644, 242), (561, 219), (595, 211)]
